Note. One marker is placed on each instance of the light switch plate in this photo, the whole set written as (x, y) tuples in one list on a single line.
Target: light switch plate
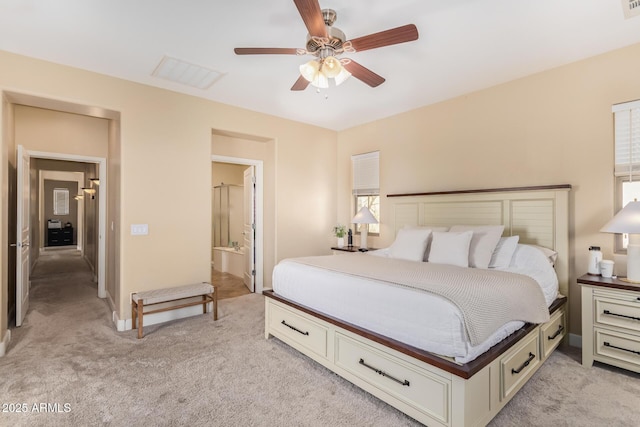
[(139, 229)]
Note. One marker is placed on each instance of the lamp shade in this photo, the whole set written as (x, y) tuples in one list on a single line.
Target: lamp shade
[(364, 216), (625, 221)]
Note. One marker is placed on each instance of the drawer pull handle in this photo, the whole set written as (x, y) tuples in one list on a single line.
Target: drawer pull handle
[(294, 328), (555, 335), (524, 365), (384, 374), (606, 344), (621, 315)]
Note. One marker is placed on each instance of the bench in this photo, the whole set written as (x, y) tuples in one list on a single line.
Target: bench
[(140, 300)]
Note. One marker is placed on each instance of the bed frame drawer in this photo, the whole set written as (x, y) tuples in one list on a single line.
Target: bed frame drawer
[(519, 364), (298, 329), (552, 332), (423, 390)]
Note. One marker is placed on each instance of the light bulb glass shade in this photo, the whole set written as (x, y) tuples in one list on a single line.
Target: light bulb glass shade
[(331, 67), (89, 190), (364, 216), (320, 81), (310, 70), (342, 76), (95, 181), (625, 221)]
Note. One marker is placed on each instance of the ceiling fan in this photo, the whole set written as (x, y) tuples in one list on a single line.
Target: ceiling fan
[(326, 43)]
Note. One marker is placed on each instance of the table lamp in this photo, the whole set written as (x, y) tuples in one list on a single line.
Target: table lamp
[(628, 221), (365, 217)]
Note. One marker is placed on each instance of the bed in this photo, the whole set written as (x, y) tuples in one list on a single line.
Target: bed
[(448, 382)]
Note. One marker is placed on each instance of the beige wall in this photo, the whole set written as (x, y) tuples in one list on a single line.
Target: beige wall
[(550, 128), (166, 149)]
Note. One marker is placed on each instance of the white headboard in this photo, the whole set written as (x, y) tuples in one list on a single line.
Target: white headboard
[(539, 215)]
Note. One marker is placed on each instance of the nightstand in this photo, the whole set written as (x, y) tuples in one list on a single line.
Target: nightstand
[(610, 322), (348, 249)]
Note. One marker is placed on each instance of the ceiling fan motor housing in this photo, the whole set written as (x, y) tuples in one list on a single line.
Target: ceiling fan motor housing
[(335, 36)]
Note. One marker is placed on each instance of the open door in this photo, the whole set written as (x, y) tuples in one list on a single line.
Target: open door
[(249, 230), (22, 238)]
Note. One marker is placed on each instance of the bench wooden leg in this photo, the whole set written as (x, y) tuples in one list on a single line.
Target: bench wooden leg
[(215, 303), (133, 313), (140, 314)]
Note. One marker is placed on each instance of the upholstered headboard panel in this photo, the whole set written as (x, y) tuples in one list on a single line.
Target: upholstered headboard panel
[(539, 215)]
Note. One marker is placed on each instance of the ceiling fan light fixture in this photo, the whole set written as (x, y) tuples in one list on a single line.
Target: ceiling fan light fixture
[(331, 67), (320, 81), (310, 70), (342, 76)]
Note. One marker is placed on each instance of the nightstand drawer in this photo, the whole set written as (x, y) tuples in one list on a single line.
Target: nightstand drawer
[(617, 312), (617, 347)]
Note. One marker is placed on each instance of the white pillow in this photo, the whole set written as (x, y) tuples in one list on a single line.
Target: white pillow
[(450, 248), (410, 244), (549, 253), (504, 251), (435, 228), (484, 242)]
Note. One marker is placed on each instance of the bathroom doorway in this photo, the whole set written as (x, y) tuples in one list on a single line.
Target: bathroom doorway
[(237, 235)]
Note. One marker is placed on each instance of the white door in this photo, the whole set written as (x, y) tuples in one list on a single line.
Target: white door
[(22, 237), (249, 230)]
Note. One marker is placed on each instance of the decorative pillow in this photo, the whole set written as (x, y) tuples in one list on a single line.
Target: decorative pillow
[(450, 248), (484, 242), (503, 253), (549, 253), (410, 244), (426, 227)]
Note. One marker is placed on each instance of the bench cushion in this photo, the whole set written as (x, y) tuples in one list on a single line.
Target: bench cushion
[(161, 295)]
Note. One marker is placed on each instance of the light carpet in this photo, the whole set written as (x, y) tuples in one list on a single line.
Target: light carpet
[(199, 372)]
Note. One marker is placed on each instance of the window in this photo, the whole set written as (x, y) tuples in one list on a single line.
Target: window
[(61, 201), (366, 185), (627, 158)]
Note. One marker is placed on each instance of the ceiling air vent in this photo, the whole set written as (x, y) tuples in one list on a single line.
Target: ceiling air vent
[(178, 71), (631, 8)]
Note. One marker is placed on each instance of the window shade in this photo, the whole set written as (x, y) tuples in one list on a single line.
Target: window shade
[(627, 138), (366, 173)]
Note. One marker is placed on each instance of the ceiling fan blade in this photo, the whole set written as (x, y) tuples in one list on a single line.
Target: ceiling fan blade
[(300, 84), (403, 34), (364, 74), (265, 51), (312, 16)]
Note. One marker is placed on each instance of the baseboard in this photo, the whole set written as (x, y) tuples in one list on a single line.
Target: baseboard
[(165, 316), (575, 340), (4, 345)]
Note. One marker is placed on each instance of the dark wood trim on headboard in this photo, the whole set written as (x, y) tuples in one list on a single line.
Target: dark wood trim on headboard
[(487, 190)]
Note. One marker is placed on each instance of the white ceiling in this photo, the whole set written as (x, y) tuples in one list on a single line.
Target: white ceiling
[(464, 45)]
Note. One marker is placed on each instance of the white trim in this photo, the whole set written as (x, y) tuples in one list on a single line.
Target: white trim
[(102, 212), (623, 106), (4, 345), (259, 165)]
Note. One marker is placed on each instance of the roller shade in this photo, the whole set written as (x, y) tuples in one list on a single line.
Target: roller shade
[(366, 174), (627, 138)]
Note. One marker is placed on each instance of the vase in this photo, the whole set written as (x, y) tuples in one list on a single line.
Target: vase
[(341, 242)]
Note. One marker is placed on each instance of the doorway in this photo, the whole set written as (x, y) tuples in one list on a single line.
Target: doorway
[(255, 249)]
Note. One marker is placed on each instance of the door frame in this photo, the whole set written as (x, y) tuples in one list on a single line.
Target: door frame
[(259, 242), (102, 206)]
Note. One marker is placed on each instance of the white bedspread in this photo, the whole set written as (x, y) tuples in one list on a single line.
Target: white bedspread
[(420, 319)]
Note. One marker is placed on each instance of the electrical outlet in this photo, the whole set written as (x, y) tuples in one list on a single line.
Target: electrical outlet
[(139, 229)]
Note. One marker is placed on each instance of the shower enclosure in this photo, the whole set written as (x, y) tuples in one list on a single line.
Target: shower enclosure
[(228, 215)]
